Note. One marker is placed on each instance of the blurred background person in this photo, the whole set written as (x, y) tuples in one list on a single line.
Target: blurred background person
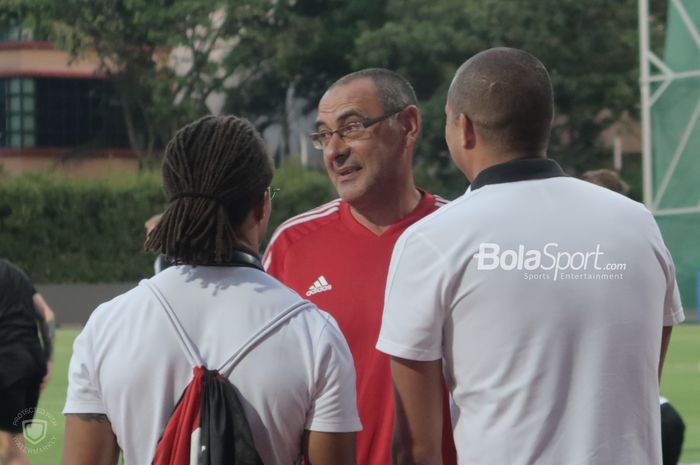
[(161, 262), (607, 178), (27, 333)]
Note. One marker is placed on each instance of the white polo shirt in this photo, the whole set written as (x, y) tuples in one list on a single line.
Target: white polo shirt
[(127, 362), (545, 296)]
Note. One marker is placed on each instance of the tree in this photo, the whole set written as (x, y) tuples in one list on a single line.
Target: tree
[(295, 53), (133, 41), (163, 57), (589, 47), (264, 54)]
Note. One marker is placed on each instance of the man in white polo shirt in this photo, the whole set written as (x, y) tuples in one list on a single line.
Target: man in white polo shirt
[(548, 301)]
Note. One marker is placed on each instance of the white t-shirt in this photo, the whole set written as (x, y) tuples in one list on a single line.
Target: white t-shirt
[(127, 362), (545, 365)]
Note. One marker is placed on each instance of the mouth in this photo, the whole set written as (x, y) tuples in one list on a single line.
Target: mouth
[(347, 172)]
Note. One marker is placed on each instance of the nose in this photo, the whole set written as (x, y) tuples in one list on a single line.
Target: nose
[(336, 150)]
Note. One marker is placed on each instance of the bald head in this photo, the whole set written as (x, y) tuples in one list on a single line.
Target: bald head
[(507, 94)]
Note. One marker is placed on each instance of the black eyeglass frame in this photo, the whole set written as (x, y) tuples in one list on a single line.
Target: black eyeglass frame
[(365, 123)]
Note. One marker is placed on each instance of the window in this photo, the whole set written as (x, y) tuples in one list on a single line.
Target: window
[(59, 112), (17, 113), (78, 112)]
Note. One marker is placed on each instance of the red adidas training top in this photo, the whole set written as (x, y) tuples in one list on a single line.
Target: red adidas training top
[(326, 256)]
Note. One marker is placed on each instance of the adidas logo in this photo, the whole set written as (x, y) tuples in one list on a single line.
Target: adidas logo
[(320, 285)]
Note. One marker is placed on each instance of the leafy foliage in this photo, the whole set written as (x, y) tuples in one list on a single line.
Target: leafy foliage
[(589, 47), (263, 54)]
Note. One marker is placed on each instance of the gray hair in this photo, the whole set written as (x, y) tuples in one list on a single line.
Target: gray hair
[(394, 92)]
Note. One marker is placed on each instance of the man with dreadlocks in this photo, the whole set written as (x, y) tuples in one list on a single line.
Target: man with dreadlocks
[(127, 372)]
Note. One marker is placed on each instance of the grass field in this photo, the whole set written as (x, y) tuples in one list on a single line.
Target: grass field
[(680, 383)]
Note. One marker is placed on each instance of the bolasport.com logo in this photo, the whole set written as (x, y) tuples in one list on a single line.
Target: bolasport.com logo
[(38, 427), (549, 263)]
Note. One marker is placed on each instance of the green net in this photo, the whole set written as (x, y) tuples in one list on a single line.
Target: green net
[(675, 120)]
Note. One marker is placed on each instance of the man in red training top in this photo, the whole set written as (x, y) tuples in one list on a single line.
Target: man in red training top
[(337, 255)]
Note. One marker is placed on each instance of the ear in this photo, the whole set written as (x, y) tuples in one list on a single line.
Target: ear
[(259, 208), (467, 131), (410, 122)]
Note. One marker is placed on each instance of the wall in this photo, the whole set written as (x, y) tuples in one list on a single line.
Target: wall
[(73, 303)]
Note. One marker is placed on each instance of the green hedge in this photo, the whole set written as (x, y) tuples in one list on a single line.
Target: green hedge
[(64, 230)]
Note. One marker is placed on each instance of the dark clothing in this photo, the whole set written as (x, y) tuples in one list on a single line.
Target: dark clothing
[(21, 372), (18, 316), (22, 358), (672, 433)]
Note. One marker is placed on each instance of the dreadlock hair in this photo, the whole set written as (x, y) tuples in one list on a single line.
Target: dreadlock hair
[(213, 171)]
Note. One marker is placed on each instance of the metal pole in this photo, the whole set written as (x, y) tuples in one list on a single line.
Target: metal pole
[(617, 152), (646, 110), (304, 150)]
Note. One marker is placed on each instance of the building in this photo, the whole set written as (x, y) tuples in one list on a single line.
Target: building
[(56, 114)]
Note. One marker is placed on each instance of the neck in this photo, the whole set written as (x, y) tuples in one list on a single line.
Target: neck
[(247, 242), (379, 216), (491, 158)]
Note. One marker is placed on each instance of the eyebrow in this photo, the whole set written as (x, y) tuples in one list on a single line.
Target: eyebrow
[(343, 116)]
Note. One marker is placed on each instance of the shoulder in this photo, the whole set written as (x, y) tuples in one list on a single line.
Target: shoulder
[(12, 276), (11, 269), (308, 221), (616, 203), (441, 213), (301, 226), (437, 200), (312, 327), (121, 313), (328, 338), (431, 201)]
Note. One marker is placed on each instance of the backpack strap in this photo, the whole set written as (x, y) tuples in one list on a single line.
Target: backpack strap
[(259, 335), (191, 350), (188, 347)]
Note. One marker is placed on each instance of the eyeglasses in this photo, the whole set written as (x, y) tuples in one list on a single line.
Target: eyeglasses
[(272, 191), (353, 130)]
